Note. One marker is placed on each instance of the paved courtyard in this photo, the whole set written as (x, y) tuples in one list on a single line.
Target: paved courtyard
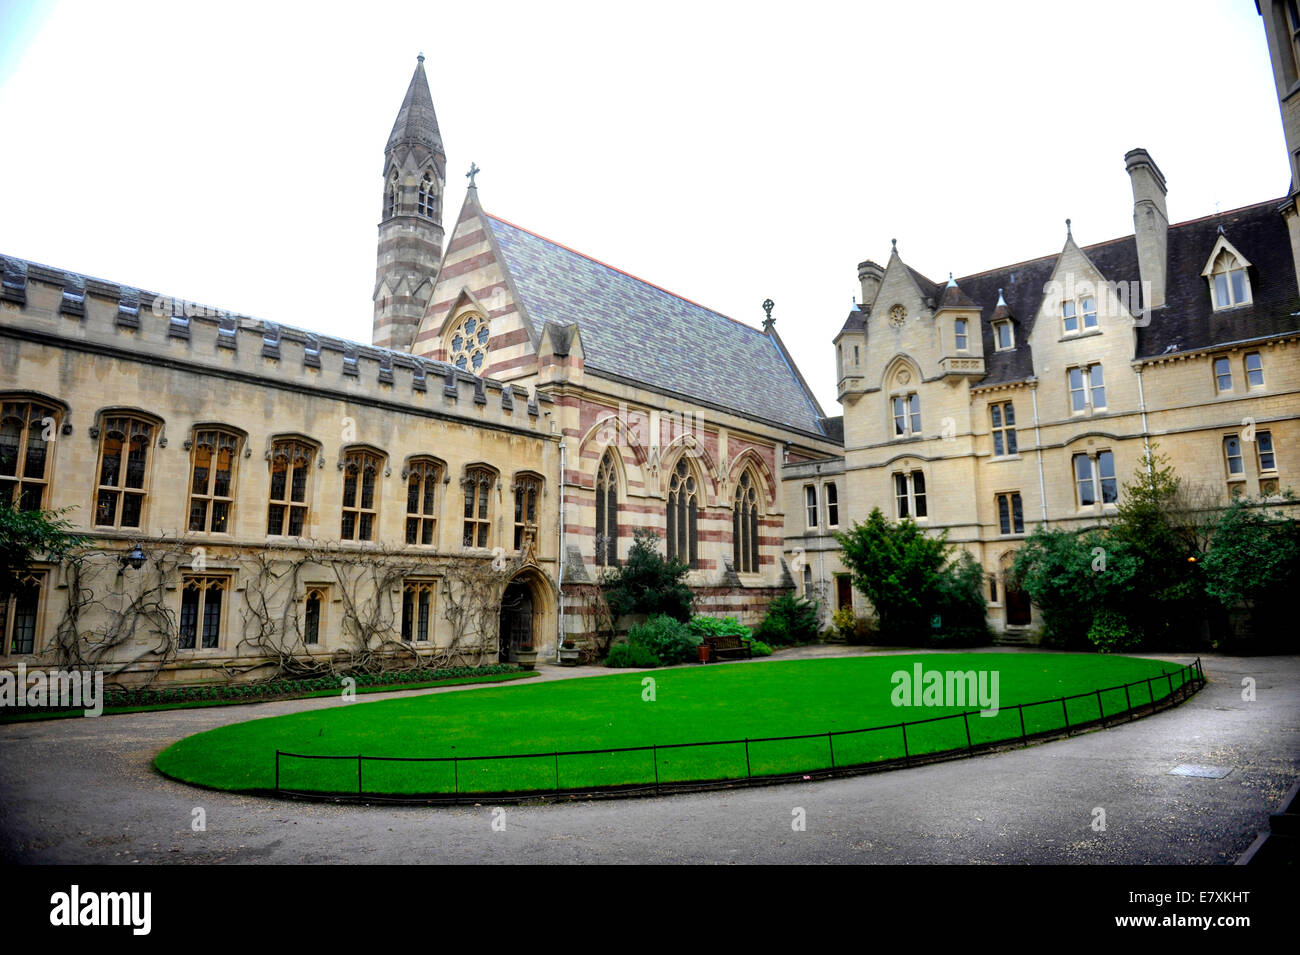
[(84, 791)]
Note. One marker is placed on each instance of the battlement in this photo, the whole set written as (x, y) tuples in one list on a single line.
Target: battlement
[(41, 302)]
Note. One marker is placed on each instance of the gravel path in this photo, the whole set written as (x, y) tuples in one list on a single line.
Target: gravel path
[(84, 791)]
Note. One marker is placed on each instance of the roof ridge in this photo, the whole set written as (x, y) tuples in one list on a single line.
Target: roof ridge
[(1120, 238), (614, 268)]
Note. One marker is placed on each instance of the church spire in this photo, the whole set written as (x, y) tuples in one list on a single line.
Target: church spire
[(410, 227)]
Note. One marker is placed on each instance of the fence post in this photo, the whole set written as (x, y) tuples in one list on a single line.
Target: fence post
[(277, 770), (965, 718), (1023, 738), (907, 757), (455, 774), (1101, 712), (1066, 713), (1151, 694), (557, 771), (1128, 704), (654, 752), (359, 774), (749, 773), (831, 743), (1170, 678)]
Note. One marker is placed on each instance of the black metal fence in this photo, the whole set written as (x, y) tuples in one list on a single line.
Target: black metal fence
[(1189, 679)]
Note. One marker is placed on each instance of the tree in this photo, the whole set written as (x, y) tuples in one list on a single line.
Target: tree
[(649, 583), (1254, 563), (28, 536), (910, 576)]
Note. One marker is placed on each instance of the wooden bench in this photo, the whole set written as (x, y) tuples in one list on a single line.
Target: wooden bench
[(729, 644)]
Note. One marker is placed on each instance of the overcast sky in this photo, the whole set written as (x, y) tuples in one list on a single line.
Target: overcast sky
[(232, 154)]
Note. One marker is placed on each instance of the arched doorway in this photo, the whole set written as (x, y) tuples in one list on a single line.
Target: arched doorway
[(516, 620), (1015, 601)]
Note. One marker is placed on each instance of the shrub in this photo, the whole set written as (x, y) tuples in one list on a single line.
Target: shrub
[(631, 655), (845, 623), (789, 620), (1110, 631), (718, 627), (666, 639), (759, 648), (649, 583)]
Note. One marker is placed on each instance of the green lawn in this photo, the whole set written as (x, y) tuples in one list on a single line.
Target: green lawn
[(692, 705)]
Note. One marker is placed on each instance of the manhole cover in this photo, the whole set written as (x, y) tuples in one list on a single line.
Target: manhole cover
[(1201, 772)]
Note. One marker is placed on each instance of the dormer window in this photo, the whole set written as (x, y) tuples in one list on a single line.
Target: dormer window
[(1227, 276), (1003, 336), (1080, 315), (959, 334)]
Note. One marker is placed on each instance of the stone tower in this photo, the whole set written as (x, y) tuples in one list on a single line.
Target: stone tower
[(410, 227)]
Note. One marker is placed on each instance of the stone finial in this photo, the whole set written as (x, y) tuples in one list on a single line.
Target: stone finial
[(769, 321)]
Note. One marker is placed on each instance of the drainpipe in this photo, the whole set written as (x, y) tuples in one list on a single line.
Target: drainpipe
[(1142, 403), (559, 583), (1038, 440)]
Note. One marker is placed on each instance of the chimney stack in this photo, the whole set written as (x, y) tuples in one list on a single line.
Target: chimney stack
[(870, 275), (1150, 224)]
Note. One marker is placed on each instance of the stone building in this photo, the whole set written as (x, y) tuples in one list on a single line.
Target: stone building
[(992, 403), (259, 498)]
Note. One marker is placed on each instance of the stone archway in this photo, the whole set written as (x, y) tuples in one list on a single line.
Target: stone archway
[(526, 617)]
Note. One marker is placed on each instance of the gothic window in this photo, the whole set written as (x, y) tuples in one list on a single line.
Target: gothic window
[(201, 603), (683, 516), (18, 614), (1229, 283), (124, 444), (478, 512), (417, 610), (313, 610), (360, 511), (390, 197), (286, 513), (26, 430), (1003, 416), (744, 527), (467, 347), (528, 491), (212, 481), (607, 512), (422, 477), (426, 196)]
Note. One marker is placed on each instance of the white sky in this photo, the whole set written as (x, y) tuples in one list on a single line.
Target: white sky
[(232, 154)]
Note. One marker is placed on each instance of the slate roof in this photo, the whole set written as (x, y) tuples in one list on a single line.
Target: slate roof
[(1187, 322), (643, 333)]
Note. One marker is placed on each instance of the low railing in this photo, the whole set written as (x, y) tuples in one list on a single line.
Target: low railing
[(661, 772)]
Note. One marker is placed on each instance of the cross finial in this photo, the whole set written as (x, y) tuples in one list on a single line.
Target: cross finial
[(768, 305), (473, 171)]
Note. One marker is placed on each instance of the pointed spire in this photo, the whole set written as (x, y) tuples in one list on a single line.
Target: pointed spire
[(416, 121), (1002, 309), (952, 283)]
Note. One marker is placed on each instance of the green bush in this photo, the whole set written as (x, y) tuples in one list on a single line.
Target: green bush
[(636, 655), (649, 583), (789, 620), (718, 627), (759, 648), (666, 639), (1111, 631)]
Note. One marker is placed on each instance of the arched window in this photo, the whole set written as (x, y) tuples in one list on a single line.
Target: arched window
[(607, 512), (286, 512), (360, 510), (390, 197), (124, 444), (683, 516), (478, 511), (426, 196), (1229, 284), (744, 527), (422, 477), (468, 343), (212, 494), (313, 606), (528, 493), (26, 428)]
